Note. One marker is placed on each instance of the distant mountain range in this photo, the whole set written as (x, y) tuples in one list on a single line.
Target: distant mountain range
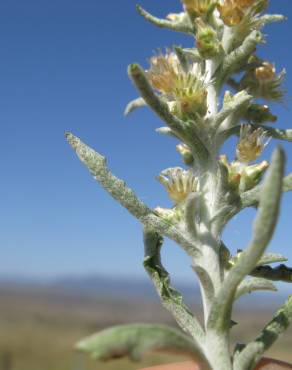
[(131, 288)]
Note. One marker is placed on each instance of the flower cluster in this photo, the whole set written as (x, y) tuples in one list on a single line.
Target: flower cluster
[(183, 88), (198, 8), (208, 44), (179, 183), (232, 12), (262, 81), (241, 175), (251, 144)]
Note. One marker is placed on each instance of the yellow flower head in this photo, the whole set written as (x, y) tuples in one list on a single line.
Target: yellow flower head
[(163, 72), (184, 88), (251, 143), (190, 95), (231, 13), (244, 3), (179, 183), (198, 7)]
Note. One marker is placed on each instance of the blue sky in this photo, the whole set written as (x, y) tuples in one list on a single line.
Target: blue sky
[(63, 67)]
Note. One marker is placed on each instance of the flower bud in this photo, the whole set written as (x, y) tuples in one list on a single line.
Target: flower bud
[(233, 260), (259, 114), (227, 97), (207, 42), (252, 175), (234, 172), (242, 177), (266, 72), (262, 81), (171, 216), (186, 154)]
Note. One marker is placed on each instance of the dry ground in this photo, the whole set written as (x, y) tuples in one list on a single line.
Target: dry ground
[(39, 328)]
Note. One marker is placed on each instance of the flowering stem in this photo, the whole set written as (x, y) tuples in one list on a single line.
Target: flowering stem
[(184, 89)]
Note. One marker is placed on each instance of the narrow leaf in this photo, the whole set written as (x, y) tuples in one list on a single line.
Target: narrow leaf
[(133, 105), (252, 285), (251, 197), (137, 340), (238, 102), (166, 131), (270, 18), (279, 134), (279, 273), (252, 353), (118, 189), (171, 299), (234, 61), (271, 258), (182, 26)]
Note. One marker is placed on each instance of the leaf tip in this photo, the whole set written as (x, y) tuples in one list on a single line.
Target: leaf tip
[(134, 69), (72, 140)]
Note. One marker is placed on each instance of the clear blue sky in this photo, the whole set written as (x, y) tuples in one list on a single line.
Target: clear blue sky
[(63, 67)]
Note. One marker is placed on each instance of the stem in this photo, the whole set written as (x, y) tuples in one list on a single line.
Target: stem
[(212, 100), (207, 264), (217, 350)]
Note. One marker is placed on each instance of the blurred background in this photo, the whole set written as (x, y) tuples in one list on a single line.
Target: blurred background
[(71, 257)]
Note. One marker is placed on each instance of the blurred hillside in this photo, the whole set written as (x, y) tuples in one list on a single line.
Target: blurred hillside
[(41, 322)]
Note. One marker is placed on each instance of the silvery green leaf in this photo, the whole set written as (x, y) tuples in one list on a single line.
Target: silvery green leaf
[(166, 131), (238, 102), (118, 189), (251, 285), (137, 340), (252, 353), (183, 25), (171, 299), (133, 105), (271, 258)]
